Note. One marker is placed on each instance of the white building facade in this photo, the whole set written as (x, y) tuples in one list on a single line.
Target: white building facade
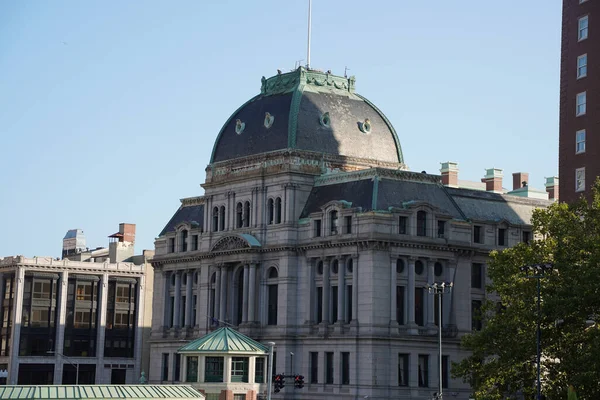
[(313, 234)]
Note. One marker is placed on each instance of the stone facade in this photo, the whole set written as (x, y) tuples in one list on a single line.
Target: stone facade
[(329, 257)]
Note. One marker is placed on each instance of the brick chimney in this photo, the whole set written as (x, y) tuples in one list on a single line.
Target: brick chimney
[(493, 180), (520, 179), (449, 173), (552, 187), (128, 231)]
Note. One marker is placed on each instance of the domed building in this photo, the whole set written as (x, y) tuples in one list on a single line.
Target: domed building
[(313, 234)]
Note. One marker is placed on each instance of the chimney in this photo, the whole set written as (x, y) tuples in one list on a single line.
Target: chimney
[(493, 180), (449, 172), (128, 232), (520, 179), (552, 187)]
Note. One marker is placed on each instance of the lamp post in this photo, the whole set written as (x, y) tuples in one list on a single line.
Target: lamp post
[(270, 370), (67, 360), (537, 272), (439, 288)]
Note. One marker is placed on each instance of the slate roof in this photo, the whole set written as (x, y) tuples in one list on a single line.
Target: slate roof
[(297, 100), (77, 392), (185, 214), (224, 340)]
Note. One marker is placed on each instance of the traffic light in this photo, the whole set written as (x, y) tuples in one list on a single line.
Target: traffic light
[(282, 381), (299, 381), (277, 383)]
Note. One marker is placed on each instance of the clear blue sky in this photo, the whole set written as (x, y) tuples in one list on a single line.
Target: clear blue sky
[(109, 110)]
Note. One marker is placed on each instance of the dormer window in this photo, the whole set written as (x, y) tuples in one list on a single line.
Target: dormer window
[(421, 223), (247, 214), (239, 215), (348, 224), (215, 225), (333, 217), (317, 228), (171, 245), (441, 231), (502, 236), (477, 234), (184, 236), (402, 225)]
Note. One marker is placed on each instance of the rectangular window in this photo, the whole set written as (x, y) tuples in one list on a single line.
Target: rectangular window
[(582, 66), (314, 367), (274, 366), (580, 141), (400, 305), (171, 245), (184, 236), (421, 223), (502, 237), (582, 28), (259, 370), (317, 227), (580, 179), (423, 370), (580, 108), (419, 306), (348, 224), (348, 303), (319, 305), (213, 369), (272, 315), (445, 369), (334, 304), (477, 276), (192, 369), (476, 316), (403, 369), (239, 369), (477, 234), (177, 368), (345, 368), (402, 225), (165, 367), (526, 237), (329, 367), (441, 229), (194, 242)]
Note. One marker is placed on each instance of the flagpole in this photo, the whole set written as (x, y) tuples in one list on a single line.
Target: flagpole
[(308, 49)]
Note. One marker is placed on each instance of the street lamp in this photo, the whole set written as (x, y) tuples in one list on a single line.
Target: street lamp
[(270, 370), (537, 272), (439, 288), (67, 360)]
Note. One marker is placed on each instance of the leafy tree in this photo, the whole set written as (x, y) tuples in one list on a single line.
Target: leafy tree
[(503, 357)]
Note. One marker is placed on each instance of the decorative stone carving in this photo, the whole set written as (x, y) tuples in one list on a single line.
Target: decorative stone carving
[(230, 243), (239, 126), (269, 119)]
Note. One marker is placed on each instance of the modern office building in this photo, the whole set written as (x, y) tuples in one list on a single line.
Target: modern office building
[(312, 233), (84, 318), (579, 143)]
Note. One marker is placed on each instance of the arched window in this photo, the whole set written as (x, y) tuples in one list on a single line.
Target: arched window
[(272, 295), (215, 226), (335, 266), (419, 267), (399, 266), (350, 265), (421, 223), (239, 215), (438, 269), (183, 238), (222, 219), (271, 208), (247, 214), (333, 217), (278, 210)]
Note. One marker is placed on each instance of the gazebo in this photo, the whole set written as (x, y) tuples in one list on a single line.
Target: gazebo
[(226, 361)]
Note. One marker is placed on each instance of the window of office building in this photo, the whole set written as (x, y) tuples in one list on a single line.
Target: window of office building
[(7, 318), (502, 237), (580, 141), (165, 367), (82, 311), (400, 305), (581, 104), (582, 31), (38, 321), (580, 179), (582, 66), (121, 311), (421, 223)]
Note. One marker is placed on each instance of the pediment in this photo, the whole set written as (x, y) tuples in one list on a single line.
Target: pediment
[(236, 242)]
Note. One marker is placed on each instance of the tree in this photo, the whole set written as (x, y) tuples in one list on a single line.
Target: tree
[(503, 354)]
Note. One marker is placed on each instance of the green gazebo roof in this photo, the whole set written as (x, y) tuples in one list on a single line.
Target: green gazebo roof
[(100, 392), (224, 340)]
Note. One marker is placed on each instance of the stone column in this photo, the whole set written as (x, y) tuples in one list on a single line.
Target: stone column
[(61, 311), (189, 298), (224, 284), (448, 303), (393, 284), (217, 305), (251, 292), (2, 284), (168, 318), (412, 326), (103, 305), (326, 290), (246, 294), (201, 368), (140, 357), (355, 289), (177, 303), (312, 303), (341, 290), (16, 328), (431, 298), (199, 293)]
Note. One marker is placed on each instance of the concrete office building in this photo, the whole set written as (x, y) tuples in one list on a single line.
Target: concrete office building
[(313, 233), (579, 141), (85, 318)]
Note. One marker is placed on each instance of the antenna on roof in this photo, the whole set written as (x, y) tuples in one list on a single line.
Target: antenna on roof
[(346, 69), (308, 49), (297, 64)]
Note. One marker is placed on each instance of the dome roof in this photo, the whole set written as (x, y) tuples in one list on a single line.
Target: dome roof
[(311, 111)]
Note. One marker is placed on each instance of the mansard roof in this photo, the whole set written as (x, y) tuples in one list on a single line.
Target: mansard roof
[(190, 212)]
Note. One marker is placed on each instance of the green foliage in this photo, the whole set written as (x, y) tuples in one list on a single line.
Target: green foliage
[(503, 353)]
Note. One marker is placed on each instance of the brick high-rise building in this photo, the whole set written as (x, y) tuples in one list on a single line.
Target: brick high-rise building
[(579, 148)]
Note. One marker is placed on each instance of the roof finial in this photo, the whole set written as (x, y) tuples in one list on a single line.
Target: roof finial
[(308, 49)]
